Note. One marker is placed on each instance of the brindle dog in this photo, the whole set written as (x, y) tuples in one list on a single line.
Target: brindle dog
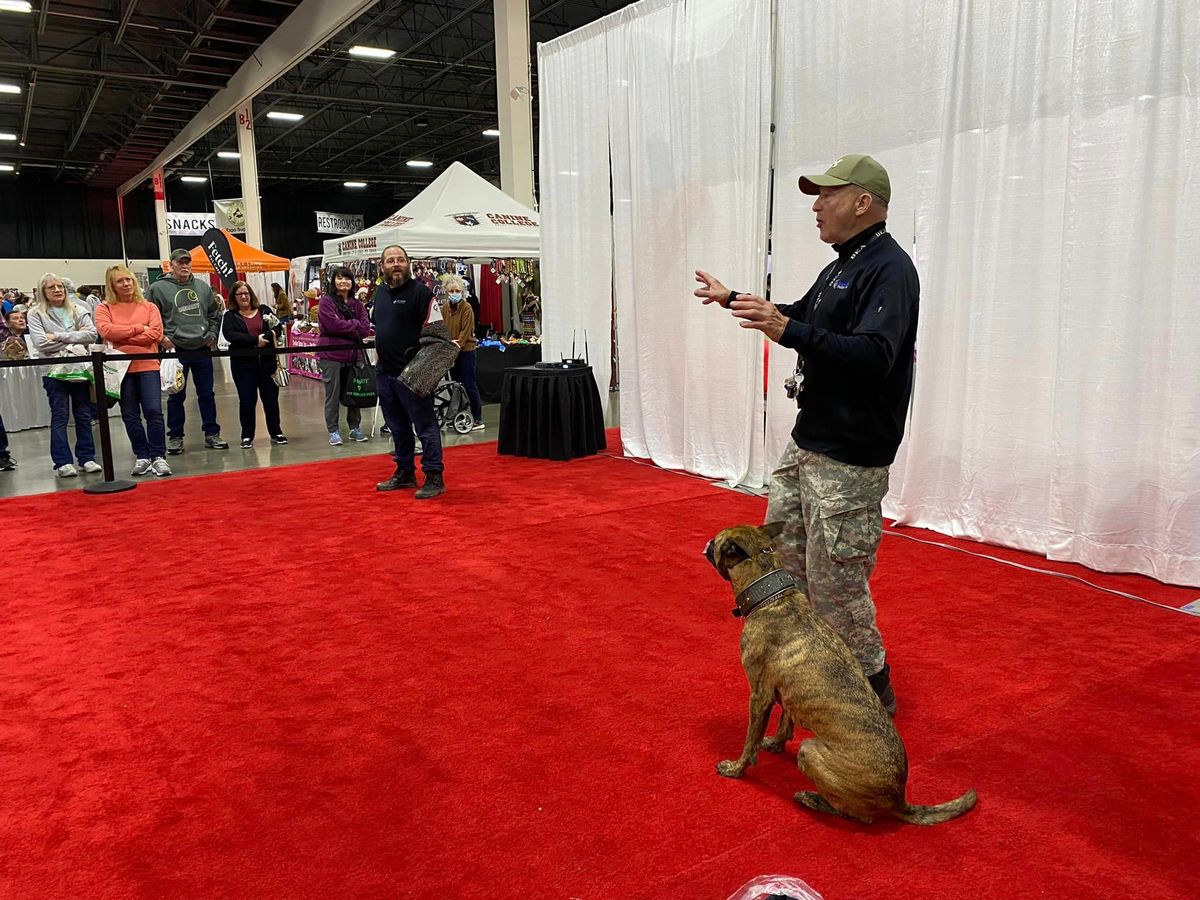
[(793, 658)]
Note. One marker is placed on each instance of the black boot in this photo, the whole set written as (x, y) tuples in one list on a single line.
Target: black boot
[(401, 478), (433, 486), (881, 683)]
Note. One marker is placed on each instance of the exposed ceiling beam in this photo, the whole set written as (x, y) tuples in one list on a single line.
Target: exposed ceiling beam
[(311, 24), (42, 17), (87, 114), (385, 104), (115, 76), (28, 107), (126, 16)]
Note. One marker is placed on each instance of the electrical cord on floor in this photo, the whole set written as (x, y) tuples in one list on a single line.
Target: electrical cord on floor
[(908, 537), (1016, 565)]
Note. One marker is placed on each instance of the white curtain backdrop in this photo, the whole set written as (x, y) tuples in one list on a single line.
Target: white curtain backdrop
[(845, 84), (1050, 152), (690, 140), (576, 200)]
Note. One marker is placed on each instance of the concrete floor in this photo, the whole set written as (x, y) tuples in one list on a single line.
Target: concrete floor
[(302, 405)]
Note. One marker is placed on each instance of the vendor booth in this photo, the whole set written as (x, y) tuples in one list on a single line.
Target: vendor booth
[(456, 222)]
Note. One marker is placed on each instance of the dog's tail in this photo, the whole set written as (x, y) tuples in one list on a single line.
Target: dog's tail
[(915, 814)]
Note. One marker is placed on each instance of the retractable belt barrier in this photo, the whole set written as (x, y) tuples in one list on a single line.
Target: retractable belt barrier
[(111, 484)]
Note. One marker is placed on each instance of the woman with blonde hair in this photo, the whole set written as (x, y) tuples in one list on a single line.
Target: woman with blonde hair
[(61, 328), (132, 324)]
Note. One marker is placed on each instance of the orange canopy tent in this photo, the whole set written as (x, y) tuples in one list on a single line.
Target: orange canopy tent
[(245, 258)]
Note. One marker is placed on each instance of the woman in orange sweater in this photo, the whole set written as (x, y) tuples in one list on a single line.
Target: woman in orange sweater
[(133, 325)]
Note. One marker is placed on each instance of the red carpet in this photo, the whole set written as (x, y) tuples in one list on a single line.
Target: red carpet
[(278, 683)]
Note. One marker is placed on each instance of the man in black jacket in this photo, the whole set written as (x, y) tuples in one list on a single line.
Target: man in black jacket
[(855, 336), (403, 307)]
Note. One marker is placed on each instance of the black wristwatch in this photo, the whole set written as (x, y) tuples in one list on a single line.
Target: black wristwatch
[(732, 296)]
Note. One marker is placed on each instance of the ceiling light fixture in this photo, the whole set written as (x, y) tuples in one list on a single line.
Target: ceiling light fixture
[(285, 116), (193, 179), (354, 184), (7, 167), (418, 164), (371, 52), (6, 88), (229, 154), (21, 6), (491, 132), (7, 136)]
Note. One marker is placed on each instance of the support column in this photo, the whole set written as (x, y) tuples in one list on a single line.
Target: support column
[(514, 100), (160, 215), (121, 227), (249, 166)]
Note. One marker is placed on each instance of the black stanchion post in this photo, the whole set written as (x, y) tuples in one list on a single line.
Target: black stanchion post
[(110, 485)]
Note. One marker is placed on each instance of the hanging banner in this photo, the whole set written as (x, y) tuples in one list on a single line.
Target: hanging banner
[(231, 215), (338, 223), (216, 248), (190, 222)]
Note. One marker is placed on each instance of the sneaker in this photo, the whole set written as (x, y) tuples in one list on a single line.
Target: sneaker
[(7, 463), (385, 430), (335, 439), (247, 443), (418, 449), (160, 467), (175, 445), (92, 467), (278, 439), (357, 435), (67, 471), (214, 442), (141, 467), (478, 426)]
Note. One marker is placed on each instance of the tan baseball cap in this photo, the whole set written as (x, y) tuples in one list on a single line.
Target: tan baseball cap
[(856, 169)]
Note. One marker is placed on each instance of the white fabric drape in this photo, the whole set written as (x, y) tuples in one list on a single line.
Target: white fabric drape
[(690, 142), (576, 200), (845, 84), (1050, 153)]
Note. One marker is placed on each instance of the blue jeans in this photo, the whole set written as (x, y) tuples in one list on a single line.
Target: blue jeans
[(64, 395), (402, 411), (199, 365), (144, 390), (463, 371)]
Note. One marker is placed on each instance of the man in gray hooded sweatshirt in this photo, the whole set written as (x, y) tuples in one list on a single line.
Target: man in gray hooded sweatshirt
[(191, 315)]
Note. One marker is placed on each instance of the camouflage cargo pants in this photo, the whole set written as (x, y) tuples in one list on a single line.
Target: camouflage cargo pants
[(832, 529)]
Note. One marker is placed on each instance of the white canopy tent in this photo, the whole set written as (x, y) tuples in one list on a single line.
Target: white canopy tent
[(459, 214)]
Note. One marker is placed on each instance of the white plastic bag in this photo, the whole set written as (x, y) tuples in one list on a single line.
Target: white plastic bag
[(170, 373)]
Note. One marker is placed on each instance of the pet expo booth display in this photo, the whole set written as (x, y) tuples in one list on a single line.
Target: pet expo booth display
[(463, 216)]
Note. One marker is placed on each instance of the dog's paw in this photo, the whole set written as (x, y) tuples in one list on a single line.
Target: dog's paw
[(730, 768), (773, 745)]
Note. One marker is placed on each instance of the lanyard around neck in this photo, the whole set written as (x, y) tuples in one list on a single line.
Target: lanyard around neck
[(842, 268)]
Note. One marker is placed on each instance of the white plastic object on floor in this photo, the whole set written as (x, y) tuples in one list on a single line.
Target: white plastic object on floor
[(774, 885)]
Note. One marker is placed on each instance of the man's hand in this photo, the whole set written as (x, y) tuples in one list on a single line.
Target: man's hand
[(713, 291), (211, 343), (262, 340), (167, 343), (759, 314)]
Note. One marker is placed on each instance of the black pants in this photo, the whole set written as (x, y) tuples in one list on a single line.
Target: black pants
[(253, 381), (3, 440)]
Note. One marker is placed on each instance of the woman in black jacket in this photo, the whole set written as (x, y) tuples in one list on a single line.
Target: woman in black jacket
[(250, 328)]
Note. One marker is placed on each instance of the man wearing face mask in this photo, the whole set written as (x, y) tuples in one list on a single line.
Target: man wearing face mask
[(460, 319)]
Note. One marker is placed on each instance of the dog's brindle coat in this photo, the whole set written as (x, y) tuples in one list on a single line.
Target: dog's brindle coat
[(793, 658)]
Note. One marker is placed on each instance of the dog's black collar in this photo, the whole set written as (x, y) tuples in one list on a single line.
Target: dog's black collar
[(763, 589)]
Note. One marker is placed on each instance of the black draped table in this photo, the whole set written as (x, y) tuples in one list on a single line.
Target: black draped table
[(550, 413), (492, 363)]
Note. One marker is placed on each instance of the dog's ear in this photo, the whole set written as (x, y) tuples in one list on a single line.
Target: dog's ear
[(773, 529)]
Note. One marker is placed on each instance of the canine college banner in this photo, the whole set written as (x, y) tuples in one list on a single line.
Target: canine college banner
[(190, 222), (338, 223)]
